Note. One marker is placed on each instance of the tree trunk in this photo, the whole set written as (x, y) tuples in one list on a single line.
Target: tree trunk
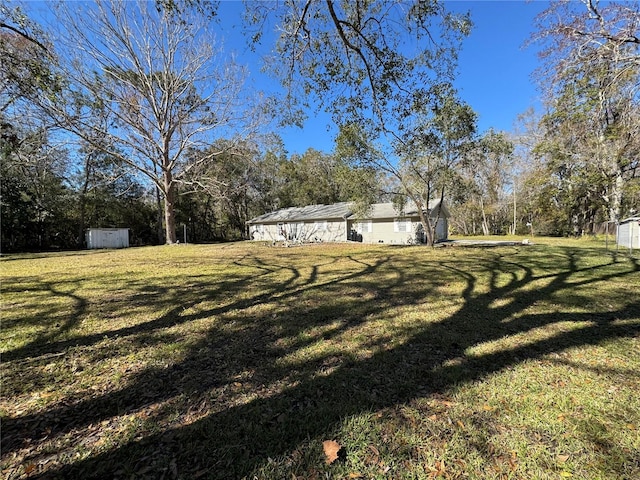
[(81, 215), (169, 207), (485, 225), (616, 196), (159, 209), (428, 229), (514, 226), (425, 220), (83, 202)]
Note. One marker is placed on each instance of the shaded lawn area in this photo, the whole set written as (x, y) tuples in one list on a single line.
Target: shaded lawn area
[(239, 360)]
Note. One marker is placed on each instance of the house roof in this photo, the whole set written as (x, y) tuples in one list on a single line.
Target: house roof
[(310, 212), (388, 210), (342, 210)]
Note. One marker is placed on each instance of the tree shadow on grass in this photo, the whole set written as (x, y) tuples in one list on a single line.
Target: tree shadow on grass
[(177, 300), (260, 398)]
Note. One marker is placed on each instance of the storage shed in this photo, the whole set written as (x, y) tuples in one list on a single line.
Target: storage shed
[(629, 233), (107, 238)]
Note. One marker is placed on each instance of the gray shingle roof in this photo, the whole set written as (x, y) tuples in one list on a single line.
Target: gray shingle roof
[(337, 211), (310, 212)]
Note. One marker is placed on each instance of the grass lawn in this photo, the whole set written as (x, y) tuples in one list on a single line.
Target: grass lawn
[(240, 360)]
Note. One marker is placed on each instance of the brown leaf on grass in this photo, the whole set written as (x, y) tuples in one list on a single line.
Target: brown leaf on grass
[(439, 469), (331, 450), (374, 457), (562, 458)]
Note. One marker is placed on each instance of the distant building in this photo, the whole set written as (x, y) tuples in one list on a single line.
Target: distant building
[(107, 238), (338, 223), (629, 233)]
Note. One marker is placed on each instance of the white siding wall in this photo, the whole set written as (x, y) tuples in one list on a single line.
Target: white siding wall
[(399, 231), (107, 238), (629, 234), (394, 231), (442, 229), (310, 231)]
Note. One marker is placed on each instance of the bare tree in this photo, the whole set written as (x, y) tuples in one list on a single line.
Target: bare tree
[(591, 73), (160, 79)]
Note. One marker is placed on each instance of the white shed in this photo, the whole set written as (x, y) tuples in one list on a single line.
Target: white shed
[(629, 233), (107, 238)]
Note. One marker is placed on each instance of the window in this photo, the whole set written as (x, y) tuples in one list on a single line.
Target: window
[(402, 225), (363, 227), (320, 226)]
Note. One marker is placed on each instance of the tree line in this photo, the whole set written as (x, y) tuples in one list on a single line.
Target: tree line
[(131, 114)]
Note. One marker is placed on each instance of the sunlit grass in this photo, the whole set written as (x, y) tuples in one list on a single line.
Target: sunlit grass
[(239, 360)]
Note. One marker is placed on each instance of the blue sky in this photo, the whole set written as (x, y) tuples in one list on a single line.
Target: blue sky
[(494, 67)]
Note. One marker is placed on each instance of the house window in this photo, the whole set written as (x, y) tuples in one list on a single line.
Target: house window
[(363, 227), (402, 225), (320, 226)]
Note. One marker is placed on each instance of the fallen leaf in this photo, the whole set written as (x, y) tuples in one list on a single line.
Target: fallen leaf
[(562, 458), (487, 408), (29, 468), (433, 417), (438, 471), (355, 475), (331, 450), (460, 424), (566, 474)]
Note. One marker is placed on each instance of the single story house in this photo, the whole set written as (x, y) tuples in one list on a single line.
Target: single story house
[(629, 233), (338, 223)]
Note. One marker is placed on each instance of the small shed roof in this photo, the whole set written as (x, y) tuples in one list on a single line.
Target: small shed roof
[(106, 229), (630, 219)]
